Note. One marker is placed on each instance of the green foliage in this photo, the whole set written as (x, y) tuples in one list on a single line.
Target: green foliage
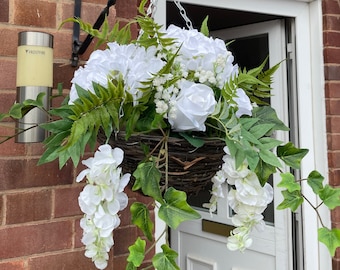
[(204, 27), (137, 253), (291, 155), (166, 259), (315, 181), (121, 35), (330, 196), (175, 209), (141, 218), (331, 238), (291, 200), (81, 121), (288, 182), (148, 178)]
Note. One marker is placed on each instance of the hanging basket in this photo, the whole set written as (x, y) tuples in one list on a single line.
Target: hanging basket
[(190, 169)]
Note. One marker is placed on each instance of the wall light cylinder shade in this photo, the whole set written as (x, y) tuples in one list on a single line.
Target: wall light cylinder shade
[(34, 76)]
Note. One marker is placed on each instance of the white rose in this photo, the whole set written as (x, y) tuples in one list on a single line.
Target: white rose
[(192, 107)]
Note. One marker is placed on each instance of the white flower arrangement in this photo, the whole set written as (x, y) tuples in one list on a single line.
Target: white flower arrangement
[(180, 83)]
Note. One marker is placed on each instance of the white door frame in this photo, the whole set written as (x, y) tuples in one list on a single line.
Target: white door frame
[(310, 98)]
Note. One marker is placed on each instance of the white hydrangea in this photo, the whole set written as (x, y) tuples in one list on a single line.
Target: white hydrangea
[(135, 63), (207, 57), (101, 200)]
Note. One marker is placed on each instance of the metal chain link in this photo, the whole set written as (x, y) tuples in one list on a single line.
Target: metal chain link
[(183, 14), (152, 8)]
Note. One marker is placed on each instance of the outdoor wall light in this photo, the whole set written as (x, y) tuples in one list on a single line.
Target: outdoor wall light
[(34, 76)]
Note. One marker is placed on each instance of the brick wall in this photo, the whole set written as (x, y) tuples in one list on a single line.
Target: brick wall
[(39, 213), (331, 34)]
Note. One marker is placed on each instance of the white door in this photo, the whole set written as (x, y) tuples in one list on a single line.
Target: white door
[(201, 244)]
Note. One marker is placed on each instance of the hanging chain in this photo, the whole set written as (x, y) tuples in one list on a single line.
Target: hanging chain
[(152, 8), (183, 14)]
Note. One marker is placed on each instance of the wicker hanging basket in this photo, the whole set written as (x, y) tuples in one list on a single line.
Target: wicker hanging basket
[(190, 169)]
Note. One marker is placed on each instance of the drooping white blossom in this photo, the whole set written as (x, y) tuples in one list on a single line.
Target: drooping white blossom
[(246, 197), (101, 200)]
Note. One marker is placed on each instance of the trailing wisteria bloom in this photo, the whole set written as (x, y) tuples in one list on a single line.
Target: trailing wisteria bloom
[(101, 200)]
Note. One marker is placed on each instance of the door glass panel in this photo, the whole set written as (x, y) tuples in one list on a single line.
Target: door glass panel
[(249, 52)]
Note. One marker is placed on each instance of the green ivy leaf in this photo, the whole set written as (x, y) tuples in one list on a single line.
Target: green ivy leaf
[(148, 177), (259, 131), (315, 181), (195, 142), (291, 155), (175, 210), (267, 114), (264, 171), (288, 182), (268, 143), (15, 111), (268, 157), (141, 218), (137, 252), (331, 238), (330, 196), (130, 266), (291, 200), (166, 259)]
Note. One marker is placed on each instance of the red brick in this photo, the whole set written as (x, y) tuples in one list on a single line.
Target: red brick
[(10, 148), (335, 264), (7, 100), (34, 239), (331, 22), (332, 55), (125, 215), (331, 38), (34, 13), (2, 207), (333, 124), (62, 47), (334, 159), (126, 9), (18, 173), (124, 237), (333, 106), (13, 265), (66, 201), (63, 74), (332, 89), (335, 214), (333, 141), (78, 235), (8, 41), (65, 261), (4, 10), (334, 177), (120, 262), (8, 70), (29, 206), (332, 72), (330, 7)]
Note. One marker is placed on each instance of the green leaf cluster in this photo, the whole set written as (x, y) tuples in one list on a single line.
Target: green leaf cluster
[(79, 123), (121, 35), (173, 210), (330, 196)]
